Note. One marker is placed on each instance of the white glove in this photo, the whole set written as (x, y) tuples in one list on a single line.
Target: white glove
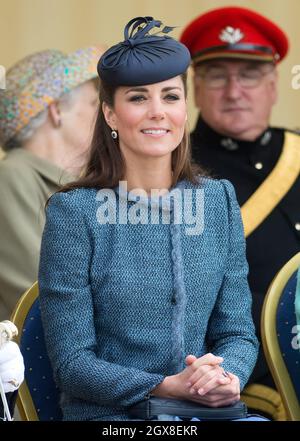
[(8, 331), (11, 366)]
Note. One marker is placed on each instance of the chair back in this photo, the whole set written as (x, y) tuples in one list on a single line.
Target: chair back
[(281, 335), (38, 398)]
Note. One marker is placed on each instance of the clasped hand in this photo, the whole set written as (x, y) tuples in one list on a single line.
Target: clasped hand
[(208, 383), (203, 381)]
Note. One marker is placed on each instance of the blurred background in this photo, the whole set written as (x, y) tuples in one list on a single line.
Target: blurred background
[(27, 26)]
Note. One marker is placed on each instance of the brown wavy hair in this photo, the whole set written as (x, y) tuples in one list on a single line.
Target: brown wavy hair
[(106, 165)]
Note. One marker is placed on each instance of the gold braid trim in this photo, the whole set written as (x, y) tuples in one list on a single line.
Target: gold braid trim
[(258, 207)]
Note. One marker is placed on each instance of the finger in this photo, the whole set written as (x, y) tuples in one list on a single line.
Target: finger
[(205, 374), (232, 388), (235, 382), (201, 372), (224, 402), (208, 359), (209, 400), (190, 359), (213, 396), (216, 400), (211, 384), (231, 375)]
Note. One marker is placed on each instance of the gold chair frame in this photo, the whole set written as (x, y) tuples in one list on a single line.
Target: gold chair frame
[(270, 341), (24, 401)]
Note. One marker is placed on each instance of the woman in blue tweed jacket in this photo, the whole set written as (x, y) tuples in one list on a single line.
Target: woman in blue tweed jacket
[(143, 283)]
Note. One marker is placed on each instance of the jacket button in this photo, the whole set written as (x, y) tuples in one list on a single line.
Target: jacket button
[(173, 298), (297, 226), (258, 165)]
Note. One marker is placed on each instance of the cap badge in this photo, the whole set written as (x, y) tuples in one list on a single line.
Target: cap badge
[(231, 35)]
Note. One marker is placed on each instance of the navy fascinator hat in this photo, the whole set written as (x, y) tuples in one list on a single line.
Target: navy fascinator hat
[(143, 57)]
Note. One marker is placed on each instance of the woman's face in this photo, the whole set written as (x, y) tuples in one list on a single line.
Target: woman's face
[(78, 117), (150, 120)]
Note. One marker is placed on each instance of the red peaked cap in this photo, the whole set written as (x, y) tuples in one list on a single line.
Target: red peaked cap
[(234, 32)]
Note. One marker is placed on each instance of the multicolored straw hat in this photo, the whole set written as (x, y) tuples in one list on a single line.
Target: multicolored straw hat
[(38, 80)]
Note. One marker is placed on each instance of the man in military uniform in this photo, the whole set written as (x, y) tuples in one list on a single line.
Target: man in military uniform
[(235, 52)]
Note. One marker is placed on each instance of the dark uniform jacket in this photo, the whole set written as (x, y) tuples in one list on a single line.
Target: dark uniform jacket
[(277, 239)]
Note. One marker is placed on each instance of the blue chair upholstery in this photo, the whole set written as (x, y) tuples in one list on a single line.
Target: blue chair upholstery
[(279, 335), (38, 395)]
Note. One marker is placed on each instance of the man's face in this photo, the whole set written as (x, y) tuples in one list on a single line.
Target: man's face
[(236, 97)]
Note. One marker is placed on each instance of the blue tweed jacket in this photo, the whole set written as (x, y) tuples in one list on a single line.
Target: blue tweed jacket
[(123, 304)]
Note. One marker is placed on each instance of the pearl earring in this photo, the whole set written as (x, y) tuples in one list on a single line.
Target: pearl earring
[(114, 134)]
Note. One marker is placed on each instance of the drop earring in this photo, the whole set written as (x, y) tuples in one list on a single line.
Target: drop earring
[(114, 134)]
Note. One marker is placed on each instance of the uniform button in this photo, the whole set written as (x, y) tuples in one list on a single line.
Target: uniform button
[(258, 165), (297, 226)]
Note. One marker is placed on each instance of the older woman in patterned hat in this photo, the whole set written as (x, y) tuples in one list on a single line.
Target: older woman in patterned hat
[(47, 113), (143, 268)]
